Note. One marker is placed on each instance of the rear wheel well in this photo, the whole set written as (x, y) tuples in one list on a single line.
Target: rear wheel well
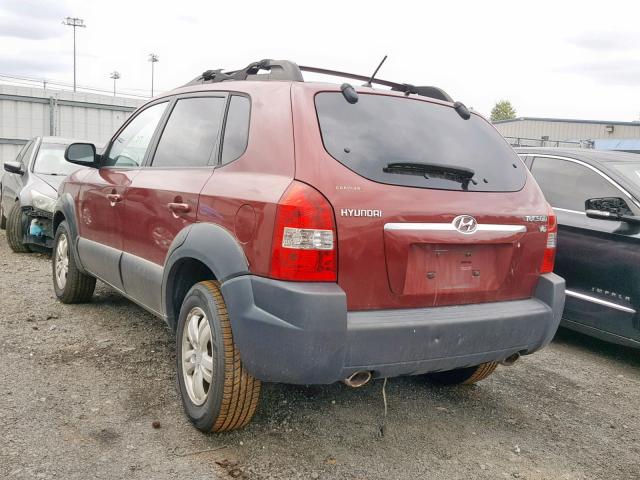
[(184, 274)]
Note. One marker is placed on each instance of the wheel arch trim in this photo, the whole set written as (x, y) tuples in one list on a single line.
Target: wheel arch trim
[(65, 210), (212, 245)]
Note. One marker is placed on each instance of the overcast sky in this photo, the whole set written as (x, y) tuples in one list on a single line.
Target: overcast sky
[(549, 58)]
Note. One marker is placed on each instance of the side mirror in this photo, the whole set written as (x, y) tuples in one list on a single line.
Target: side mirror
[(610, 208), (13, 167), (82, 154)]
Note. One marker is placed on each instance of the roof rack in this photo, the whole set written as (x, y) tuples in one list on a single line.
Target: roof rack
[(287, 70)]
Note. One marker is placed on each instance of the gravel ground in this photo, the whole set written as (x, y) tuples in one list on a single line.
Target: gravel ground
[(81, 387)]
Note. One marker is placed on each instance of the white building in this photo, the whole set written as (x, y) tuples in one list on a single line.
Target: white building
[(564, 132), (29, 112)]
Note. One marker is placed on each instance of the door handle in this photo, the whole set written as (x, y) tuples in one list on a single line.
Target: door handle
[(178, 208), (114, 198)]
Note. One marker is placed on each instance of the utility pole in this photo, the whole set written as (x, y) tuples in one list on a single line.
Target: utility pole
[(115, 75), (75, 23), (153, 58)]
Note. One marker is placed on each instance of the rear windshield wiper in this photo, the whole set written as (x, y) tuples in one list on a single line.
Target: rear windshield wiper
[(425, 169)]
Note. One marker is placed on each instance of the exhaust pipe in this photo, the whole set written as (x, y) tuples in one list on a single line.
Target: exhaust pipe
[(510, 360), (358, 379)]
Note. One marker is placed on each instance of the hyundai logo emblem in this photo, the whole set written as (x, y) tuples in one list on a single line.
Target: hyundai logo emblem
[(465, 224)]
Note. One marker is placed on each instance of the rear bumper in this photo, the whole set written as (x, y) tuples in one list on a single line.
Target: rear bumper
[(302, 332)]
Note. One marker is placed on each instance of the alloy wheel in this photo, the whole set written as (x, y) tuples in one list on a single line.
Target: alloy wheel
[(197, 356), (62, 261)]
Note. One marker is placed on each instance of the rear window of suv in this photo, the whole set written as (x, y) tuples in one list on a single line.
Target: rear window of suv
[(402, 141)]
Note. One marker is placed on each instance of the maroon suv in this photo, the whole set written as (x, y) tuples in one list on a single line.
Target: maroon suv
[(306, 233)]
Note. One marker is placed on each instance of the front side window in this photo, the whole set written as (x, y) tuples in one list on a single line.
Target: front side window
[(236, 130), (568, 184), (130, 146), (191, 133), (50, 160), (23, 150), (25, 153), (410, 142)]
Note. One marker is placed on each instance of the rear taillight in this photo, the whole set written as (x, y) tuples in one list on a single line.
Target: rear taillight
[(304, 239), (549, 258)]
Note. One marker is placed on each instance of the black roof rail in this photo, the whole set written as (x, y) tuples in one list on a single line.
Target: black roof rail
[(278, 70), (433, 92), (287, 70)]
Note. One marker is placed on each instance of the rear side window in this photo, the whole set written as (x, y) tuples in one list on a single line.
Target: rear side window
[(236, 130), (191, 133), (402, 141)]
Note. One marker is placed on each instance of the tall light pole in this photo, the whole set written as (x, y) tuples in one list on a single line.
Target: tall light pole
[(153, 58), (115, 75), (75, 23)]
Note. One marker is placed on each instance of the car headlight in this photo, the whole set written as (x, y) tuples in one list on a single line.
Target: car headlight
[(42, 202)]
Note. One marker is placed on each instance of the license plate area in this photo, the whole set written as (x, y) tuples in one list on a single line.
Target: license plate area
[(443, 270)]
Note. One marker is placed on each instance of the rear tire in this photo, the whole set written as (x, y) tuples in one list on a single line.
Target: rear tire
[(217, 392), (463, 376), (14, 230), (69, 283)]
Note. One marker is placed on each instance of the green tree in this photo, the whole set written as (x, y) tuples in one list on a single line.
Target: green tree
[(503, 110)]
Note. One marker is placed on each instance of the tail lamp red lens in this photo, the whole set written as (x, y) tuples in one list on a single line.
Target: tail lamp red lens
[(304, 239), (549, 258)]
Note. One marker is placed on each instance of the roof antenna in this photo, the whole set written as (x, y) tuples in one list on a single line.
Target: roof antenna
[(368, 84)]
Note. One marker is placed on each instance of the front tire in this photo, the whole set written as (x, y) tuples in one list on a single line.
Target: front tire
[(217, 392), (463, 376), (69, 283), (14, 230)]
